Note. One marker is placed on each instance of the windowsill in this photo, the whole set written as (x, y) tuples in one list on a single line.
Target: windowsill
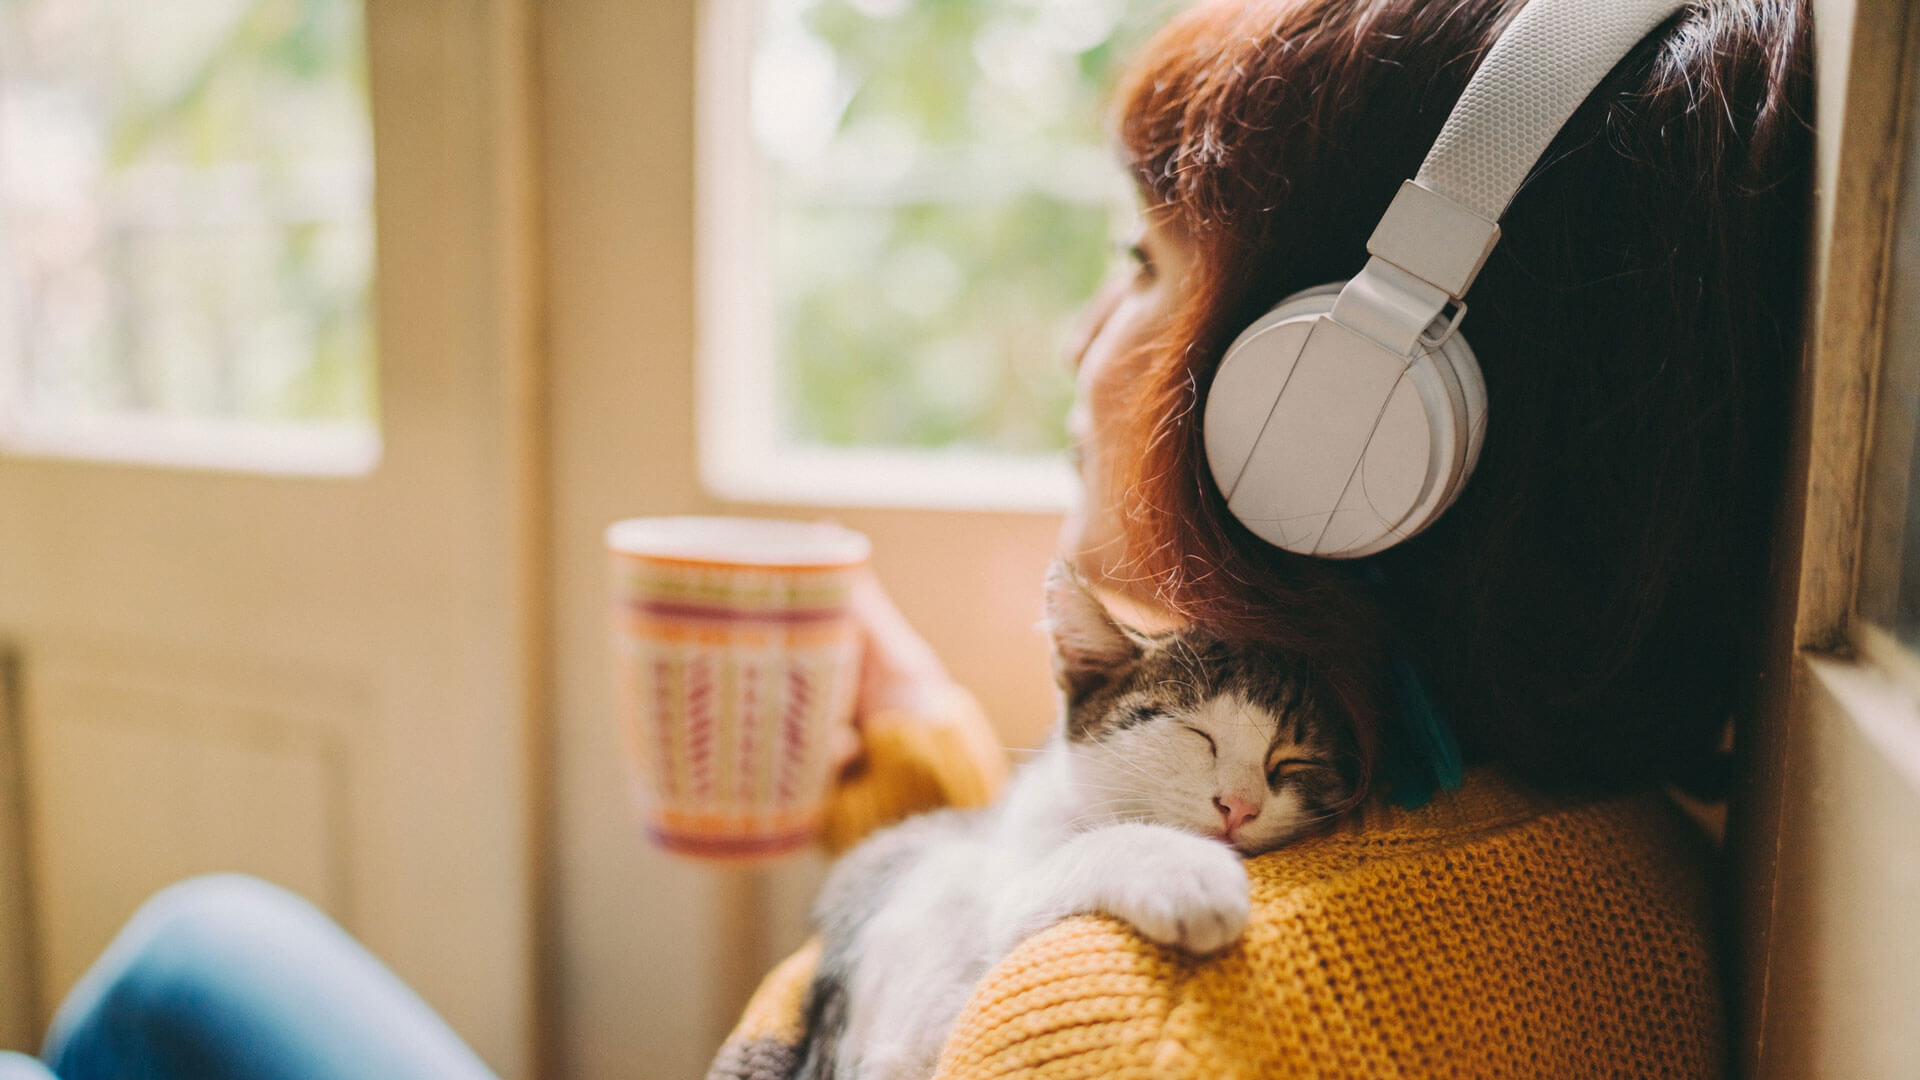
[(910, 479), (1882, 706), (233, 446)]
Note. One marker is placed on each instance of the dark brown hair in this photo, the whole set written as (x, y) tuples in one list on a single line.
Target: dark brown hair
[(1588, 612)]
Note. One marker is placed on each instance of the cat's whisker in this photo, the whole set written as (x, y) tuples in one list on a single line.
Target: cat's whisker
[(1128, 791), (1142, 771)]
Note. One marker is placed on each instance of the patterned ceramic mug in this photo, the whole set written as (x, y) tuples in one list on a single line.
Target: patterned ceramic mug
[(736, 659)]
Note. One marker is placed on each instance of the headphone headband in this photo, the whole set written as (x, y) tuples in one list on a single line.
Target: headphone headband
[(1350, 417), (1537, 73)]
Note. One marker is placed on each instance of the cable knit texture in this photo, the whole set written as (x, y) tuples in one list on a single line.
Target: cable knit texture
[(1492, 934)]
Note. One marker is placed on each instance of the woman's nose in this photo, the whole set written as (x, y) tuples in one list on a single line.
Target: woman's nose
[(1235, 811), (1093, 317)]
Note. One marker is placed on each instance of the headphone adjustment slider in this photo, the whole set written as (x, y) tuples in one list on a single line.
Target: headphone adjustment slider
[(1434, 238), (1392, 307), (1456, 311)]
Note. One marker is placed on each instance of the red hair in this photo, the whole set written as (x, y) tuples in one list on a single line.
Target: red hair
[(1588, 612)]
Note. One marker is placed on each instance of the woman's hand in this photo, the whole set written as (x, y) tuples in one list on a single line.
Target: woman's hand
[(918, 742), (898, 669)]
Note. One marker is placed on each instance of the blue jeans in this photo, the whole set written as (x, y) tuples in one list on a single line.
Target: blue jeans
[(229, 978)]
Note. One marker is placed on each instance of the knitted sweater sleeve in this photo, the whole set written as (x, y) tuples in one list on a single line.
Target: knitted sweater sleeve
[(1485, 937), (942, 752)]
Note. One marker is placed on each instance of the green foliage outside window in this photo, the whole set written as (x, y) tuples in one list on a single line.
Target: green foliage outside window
[(945, 197), (185, 215)]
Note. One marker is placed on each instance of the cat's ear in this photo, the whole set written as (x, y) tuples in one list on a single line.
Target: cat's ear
[(1090, 649)]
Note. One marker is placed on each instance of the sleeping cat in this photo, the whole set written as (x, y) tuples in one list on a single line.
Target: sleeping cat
[(1177, 755)]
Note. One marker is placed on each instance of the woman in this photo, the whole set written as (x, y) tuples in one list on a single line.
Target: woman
[(1586, 614)]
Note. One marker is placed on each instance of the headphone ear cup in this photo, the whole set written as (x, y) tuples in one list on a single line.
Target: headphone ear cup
[(1446, 383), (1464, 369), (1454, 363), (1474, 385), (1411, 431), (1251, 377)]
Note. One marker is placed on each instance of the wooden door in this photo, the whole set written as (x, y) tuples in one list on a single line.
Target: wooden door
[(327, 680)]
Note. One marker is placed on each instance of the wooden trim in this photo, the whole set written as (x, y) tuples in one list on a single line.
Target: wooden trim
[(463, 384), (1849, 317), (734, 406), (1887, 484), (20, 993), (277, 448), (521, 282)]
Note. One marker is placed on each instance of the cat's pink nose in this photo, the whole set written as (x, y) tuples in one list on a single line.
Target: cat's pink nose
[(1235, 811)]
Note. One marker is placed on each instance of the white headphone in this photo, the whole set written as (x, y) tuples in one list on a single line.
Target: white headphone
[(1349, 417)]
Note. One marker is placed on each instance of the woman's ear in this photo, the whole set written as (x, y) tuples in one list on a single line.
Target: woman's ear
[(1090, 649)]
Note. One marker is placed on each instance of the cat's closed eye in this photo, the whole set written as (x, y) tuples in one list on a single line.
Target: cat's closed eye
[(1211, 747), (1286, 767)]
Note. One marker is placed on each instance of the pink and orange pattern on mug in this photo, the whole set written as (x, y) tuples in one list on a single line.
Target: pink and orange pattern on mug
[(736, 659)]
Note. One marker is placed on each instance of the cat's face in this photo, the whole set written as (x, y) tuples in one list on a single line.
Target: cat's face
[(1179, 729)]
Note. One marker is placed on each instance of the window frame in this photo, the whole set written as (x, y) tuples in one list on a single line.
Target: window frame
[(1888, 718), (1889, 419), (273, 448)]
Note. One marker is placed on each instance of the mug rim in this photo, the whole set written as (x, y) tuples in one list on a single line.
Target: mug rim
[(623, 537)]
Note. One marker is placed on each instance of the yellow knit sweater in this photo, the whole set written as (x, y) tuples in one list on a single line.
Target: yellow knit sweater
[(1494, 933)]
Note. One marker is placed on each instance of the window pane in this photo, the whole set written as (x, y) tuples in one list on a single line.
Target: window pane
[(1889, 591), (1890, 570), (185, 213), (943, 198)]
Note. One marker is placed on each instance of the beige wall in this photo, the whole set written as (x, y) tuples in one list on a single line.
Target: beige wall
[(649, 965)]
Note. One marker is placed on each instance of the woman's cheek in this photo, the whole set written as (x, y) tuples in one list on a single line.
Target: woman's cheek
[(1093, 320), (1111, 360), (1090, 536)]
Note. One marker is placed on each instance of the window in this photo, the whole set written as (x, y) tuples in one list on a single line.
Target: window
[(186, 238), (903, 203), (1889, 589), (1887, 598)]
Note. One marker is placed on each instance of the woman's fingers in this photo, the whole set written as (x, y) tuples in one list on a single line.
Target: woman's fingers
[(897, 665)]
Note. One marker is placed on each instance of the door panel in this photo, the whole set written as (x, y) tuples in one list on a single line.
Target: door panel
[(333, 682), (147, 772)]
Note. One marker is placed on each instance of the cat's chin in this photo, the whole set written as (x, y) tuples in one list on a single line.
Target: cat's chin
[(1248, 847)]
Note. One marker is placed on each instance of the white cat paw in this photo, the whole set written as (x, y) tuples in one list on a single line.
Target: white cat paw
[(1181, 890)]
